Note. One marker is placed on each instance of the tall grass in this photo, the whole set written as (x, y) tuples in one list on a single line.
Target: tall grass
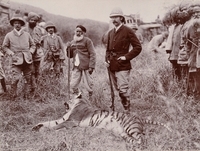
[(155, 95)]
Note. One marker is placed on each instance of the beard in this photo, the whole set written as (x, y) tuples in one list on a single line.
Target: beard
[(78, 38), (32, 25)]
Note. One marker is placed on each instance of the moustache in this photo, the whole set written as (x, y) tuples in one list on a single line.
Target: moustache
[(114, 21)]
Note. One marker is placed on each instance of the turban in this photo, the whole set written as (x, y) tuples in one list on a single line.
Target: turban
[(81, 27), (33, 15)]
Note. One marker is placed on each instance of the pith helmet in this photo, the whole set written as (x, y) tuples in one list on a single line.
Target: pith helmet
[(17, 17), (117, 12), (50, 24)]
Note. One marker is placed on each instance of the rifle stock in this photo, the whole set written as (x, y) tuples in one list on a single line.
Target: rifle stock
[(112, 90)]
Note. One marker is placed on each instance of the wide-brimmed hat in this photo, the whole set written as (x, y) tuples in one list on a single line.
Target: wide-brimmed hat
[(50, 24), (117, 12), (33, 15), (17, 17)]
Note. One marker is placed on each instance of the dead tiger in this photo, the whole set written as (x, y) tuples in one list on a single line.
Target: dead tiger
[(80, 113)]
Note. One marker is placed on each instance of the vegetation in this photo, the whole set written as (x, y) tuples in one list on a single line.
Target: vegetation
[(154, 95), (65, 25)]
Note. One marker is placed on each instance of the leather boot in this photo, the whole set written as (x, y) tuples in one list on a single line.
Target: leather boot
[(28, 87), (13, 91), (125, 102)]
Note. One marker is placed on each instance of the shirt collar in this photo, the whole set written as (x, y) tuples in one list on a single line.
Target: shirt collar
[(116, 28), (18, 32), (51, 35)]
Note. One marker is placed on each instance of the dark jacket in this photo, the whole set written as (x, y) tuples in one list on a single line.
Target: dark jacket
[(118, 45), (86, 52)]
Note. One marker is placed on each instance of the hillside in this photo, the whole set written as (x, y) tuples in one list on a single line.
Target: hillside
[(66, 25)]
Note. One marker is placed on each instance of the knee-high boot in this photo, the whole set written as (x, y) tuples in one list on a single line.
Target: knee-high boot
[(13, 91), (28, 86), (125, 101)]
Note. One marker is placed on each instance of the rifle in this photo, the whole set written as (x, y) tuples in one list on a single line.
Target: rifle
[(112, 91), (68, 54)]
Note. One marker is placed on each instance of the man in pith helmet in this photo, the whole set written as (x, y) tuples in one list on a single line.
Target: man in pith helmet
[(54, 49), (20, 46), (118, 55)]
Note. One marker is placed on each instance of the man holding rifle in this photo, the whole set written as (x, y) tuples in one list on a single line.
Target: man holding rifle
[(118, 56)]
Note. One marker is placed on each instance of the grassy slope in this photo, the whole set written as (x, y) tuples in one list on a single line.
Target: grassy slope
[(154, 96), (66, 25)]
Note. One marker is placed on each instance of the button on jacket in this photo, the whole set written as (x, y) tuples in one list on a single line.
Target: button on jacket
[(118, 45)]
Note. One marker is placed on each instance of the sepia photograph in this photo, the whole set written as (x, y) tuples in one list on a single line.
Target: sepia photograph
[(99, 75)]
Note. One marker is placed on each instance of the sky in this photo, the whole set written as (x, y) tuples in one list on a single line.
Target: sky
[(100, 9)]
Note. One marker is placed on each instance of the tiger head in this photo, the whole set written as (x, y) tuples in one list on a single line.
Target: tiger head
[(68, 105)]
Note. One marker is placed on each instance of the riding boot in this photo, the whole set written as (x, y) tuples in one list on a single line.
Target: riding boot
[(28, 87), (125, 102), (13, 91)]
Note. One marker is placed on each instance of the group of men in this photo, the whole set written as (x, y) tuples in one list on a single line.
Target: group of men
[(183, 45), (28, 46)]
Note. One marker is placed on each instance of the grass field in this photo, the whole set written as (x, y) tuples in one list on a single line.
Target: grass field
[(155, 95)]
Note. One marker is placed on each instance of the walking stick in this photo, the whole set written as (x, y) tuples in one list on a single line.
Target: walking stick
[(188, 84), (111, 89), (68, 54)]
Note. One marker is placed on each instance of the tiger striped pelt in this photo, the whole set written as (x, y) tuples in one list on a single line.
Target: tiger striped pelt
[(81, 114)]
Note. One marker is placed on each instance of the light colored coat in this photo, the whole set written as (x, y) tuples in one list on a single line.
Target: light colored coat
[(192, 41), (55, 41), (176, 42), (22, 45), (36, 33)]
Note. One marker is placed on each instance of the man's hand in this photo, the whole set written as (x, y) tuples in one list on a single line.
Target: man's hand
[(11, 53), (121, 58), (90, 70)]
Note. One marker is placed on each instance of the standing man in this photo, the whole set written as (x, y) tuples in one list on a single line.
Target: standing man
[(36, 33), (54, 49), (2, 75), (20, 46), (118, 55), (84, 60), (134, 27)]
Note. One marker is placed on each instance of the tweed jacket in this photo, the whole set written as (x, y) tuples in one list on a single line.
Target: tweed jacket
[(55, 41), (36, 33), (118, 45), (86, 53), (22, 45)]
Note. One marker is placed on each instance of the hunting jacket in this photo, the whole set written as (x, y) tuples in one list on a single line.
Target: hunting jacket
[(191, 40), (86, 53), (118, 45), (22, 45), (55, 41), (36, 33), (176, 41)]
